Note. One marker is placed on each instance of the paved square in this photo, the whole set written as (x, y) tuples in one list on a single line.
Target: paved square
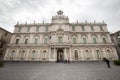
[(59, 71)]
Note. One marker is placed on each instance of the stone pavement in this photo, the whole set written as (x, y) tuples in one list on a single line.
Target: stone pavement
[(59, 71)]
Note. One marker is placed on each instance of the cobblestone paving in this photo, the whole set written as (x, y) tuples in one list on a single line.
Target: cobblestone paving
[(59, 71)]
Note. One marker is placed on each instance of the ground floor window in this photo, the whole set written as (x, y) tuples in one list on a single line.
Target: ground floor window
[(76, 54), (44, 55), (12, 54), (109, 54)]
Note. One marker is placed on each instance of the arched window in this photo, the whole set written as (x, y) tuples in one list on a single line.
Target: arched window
[(84, 40), (74, 40), (12, 54), (104, 40), (17, 41), (76, 55), (59, 39), (22, 54), (46, 40), (109, 54), (44, 55), (87, 54), (94, 40), (33, 54), (36, 40), (98, 54), (26, 41)]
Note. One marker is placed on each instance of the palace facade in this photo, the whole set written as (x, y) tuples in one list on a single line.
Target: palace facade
[(59, 40)]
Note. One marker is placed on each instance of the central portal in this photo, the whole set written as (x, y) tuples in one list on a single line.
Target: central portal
[(60, 55)]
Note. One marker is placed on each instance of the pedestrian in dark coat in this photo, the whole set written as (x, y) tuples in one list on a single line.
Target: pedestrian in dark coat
[(107, 62)]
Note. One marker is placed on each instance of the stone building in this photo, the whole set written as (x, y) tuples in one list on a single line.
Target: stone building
[(59, 40), (4, 40), (116, 40)]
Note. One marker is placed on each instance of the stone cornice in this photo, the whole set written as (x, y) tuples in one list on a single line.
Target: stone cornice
[(65, 32), (71, 24)]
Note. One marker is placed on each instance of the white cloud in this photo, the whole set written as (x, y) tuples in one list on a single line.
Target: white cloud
[(12, 11)]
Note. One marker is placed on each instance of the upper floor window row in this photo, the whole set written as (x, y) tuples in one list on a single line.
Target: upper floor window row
[(37, 28), (74, 28), (92, 28)]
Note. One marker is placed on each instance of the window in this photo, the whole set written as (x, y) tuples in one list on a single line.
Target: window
[(36, 40), (26, 40), (84, 40), (74, 40), (94, 40), (33, 54), (92, 28), (119, 40), (104, 40), (76, 55), (101, 28), (22, 54), (12, 54), (44, 55), (28, 29), (17, 41), (98, 52), (87, 54), (37, 28), (83, 29), (59, 39), (73, 28), (19, 29), (46, 40), (109, 54), (46, 29)]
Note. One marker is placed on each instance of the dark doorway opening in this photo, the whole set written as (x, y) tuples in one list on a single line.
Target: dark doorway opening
[(60, 55)]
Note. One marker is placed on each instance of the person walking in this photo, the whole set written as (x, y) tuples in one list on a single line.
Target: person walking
[(107, 62)]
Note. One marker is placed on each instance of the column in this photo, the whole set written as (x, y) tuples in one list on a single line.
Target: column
[(65, 55), (82, 54), (49, 53), (70, 54), (16, 55), (94, 55), (27, 55), (38, 55), (54, 54)]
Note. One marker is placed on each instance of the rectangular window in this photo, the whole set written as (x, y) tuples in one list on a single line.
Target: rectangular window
[(28, 29), (19, 29), (74, 40), (73, 28), (92, 28), (46, 29), (84, 40), (83, 29), (59, 39), (37, 28), (101, 28)]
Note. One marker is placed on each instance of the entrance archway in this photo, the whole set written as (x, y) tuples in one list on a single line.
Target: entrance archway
[(60, 55)]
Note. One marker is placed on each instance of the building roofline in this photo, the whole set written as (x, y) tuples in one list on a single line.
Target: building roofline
[(5, 30)]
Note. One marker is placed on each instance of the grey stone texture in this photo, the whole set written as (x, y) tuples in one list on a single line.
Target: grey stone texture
[(59, 71)]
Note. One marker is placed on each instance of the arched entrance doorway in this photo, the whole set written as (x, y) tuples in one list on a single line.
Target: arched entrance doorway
[(60, 55)]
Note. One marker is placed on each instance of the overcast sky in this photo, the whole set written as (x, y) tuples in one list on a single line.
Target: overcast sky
[(12, 11)]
